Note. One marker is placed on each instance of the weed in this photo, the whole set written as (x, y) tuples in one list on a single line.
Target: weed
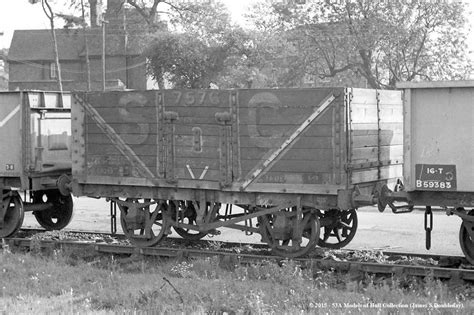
[(256, 303), (215, 245), (106, 284), (5, 247), (287, 273), (208, 268), (182, 270)]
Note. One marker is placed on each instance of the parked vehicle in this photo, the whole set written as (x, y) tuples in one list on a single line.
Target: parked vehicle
[(295, 160), (438, 155), (35, 129)]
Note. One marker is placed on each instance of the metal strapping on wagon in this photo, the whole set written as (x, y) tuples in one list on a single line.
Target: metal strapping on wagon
[(115, 138), (379, 131), (236, 163), (225, 146), (169, 149), (159, 104), (338, 153), (9, 116), (347, 99), (288, 142)]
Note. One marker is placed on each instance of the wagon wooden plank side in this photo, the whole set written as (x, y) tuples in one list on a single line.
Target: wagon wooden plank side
[(323, 141), (291, 137), (197, 133), (375, 120), (285, 157), (118, 132)]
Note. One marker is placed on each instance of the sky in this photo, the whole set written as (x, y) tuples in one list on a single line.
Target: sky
[(20, 14)]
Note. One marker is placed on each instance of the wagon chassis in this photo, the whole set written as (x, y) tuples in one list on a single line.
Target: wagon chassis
[(283, 229), (454, 203)]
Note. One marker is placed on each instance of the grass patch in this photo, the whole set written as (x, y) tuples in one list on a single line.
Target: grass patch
[(86, 282)]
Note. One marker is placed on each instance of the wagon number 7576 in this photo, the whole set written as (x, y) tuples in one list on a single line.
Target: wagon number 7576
[(191, 97)]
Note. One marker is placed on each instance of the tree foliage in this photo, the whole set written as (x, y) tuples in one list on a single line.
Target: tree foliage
[(379, 42), (353, 42), (202, 46), (3, 69), (181, 59), (50, 14), (150, 10)]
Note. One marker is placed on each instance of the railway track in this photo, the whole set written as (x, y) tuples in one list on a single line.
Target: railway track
[(355, 261)]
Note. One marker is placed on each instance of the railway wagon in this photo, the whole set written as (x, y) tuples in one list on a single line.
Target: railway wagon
[(438, 155), (290, 164), (35, 150)]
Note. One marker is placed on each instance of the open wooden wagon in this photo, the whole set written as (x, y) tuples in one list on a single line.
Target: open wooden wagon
[(296, 161)]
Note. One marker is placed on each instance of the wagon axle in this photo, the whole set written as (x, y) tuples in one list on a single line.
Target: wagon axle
[(52, 210)]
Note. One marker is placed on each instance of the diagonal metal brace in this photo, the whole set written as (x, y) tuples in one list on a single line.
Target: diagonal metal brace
[(118, 142), (218, 224), (288, 142)]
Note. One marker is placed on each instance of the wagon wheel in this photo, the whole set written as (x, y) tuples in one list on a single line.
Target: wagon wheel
[(338, 228), (59, 215), (143, 226), (466, 238), (14, 214), (187, 214), (280, 232)]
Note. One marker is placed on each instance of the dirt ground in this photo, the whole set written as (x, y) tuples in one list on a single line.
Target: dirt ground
[(388, 231)]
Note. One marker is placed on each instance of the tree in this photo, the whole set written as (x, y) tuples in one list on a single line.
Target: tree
[(80, 21), (48, 11), (188, 43), (3, 54), (3, 69), (179, 58), (149, 11), (381, 42), (201, 47)]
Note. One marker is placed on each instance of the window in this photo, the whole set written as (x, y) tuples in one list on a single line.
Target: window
[(53, 71)]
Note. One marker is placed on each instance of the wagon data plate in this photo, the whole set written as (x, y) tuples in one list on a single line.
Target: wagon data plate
[(435, 177)]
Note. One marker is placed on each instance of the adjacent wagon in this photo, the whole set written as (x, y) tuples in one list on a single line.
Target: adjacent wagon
[(35, 153), (438, 154)]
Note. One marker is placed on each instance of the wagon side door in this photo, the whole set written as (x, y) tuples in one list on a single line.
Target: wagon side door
[(291, 140), (197, 137), (375, 127)]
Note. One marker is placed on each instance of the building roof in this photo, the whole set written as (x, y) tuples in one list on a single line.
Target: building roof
[(31, 45), (435, 84)]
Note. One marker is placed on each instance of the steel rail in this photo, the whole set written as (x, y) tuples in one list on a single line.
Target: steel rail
[(245, 258), (256, 246)]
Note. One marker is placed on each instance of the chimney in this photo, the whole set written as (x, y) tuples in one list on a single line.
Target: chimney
[(114, 7), (115, 16), (93, 10)]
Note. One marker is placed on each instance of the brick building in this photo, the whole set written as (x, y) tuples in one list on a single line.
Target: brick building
[(31, 57)]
